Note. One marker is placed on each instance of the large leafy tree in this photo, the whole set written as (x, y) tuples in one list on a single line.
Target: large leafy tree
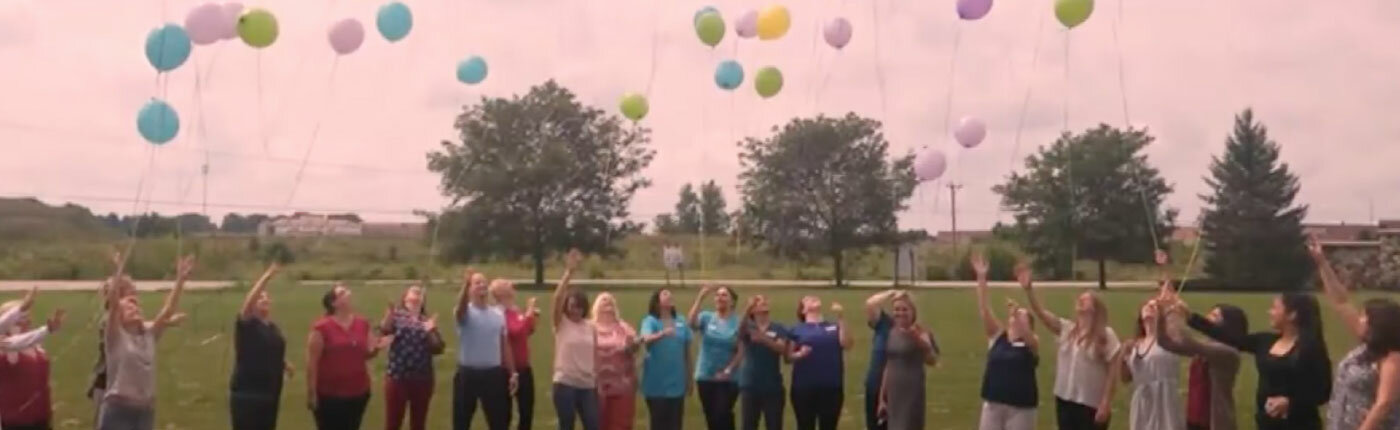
[(822, 186), (713, 217), (1090, 195), (688, 210), (536, 173), (1252, 230)]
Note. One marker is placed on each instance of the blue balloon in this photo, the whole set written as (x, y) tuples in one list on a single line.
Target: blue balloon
[(394, 21), (703, 11), (729, 75), (158, 122), (167, 47), (471, 71)]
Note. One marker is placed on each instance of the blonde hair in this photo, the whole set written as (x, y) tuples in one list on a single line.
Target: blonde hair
[(1097, 333), (597, 303), (908, 299)]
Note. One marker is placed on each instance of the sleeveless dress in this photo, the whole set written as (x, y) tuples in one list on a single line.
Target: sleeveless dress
[(1354, 392), (1156, 404), (904, 363)]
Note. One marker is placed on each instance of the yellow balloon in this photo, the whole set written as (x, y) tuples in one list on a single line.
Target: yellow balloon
[(773, 22)]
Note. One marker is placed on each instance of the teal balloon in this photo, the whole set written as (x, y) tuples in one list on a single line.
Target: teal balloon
[(471, 71), (158, 122), (167, 47), (729, 75), (702, 12), (395, 20)]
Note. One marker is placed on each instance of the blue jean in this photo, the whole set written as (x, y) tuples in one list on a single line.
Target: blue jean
[(581, 402)]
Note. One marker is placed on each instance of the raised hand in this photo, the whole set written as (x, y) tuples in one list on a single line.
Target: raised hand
[(1160, 257), (530, 307), (28, 300), (979, 264), (56, 320), (572, 259), (184, 267), (1315, 247), (1023, 275), (468, 274), (837, 309)]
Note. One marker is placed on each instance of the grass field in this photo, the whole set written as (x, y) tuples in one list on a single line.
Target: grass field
[(194, 360)]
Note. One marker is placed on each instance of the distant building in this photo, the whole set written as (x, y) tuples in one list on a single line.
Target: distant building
[(1342, 232), (396, 230), (962, 236), (308, 224)]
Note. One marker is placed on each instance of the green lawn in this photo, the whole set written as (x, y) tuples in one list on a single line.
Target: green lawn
[(195, 359)]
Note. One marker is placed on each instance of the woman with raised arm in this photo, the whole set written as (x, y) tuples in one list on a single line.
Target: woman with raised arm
[(617, 365), (910, 348), (1210, 393), (259, 361), (1154, 373), (664, 370), (1009, 395), (1085, 346), (25, 401), (575, 353), (761, 343), (486, 369), (719, 358), (1366, 393), (338, 351), (413, 341), (129, 400), (880, 323), (520, 325), (817, 352)]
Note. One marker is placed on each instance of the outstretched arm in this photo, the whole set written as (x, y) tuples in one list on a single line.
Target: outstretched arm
[(1337, 294), (12, 316), (258, 288), (692, 318), (876, 304), (460, 310), (842, 334), (990, 326), (172, 299), (1052, 321), (33, 337), (557, 308)]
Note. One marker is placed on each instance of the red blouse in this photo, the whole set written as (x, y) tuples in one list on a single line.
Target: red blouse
[(342, 370), (1198, 393), (24, 396), (519, 327)]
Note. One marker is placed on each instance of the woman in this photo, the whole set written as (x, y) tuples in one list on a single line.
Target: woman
[(714, 372), (880, 323), (1295, 373), (486, 370), (617, 365), (664, 370), (817, 353), (1085, 347), (1210, 398), (337, 352), (1008, 380), (129, 400), (761, 342), (909, 349), (413, 341), (259, 363), (520, 325), (24, 366), (1367, 388), (1154, 374), (575, 353)]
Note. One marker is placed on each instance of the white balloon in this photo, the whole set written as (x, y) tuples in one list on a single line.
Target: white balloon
[(930, 165), (970, 132)]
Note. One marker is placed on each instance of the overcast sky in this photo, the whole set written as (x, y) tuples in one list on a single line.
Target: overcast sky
[(1322, 75)]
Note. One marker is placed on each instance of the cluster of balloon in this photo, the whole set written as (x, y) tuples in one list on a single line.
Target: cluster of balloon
[(1071, 13), (773, 22), (970, 132), (768, 81), (212, 22), (837, 33), (709, 26), (972, 10), (394, 21), (346, 36), (472, 70), (158, 122), (930, 164), (258, 28), (729, 75), (634, 106)]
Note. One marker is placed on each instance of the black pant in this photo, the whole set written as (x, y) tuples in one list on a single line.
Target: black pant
[(1074, 416), (872, 407), (253, 411), (816, 407), (752, 405), (36, 426), (717, 400), (1197, 427), (525, 398), (491, 387), (667, 413), (340, 413)]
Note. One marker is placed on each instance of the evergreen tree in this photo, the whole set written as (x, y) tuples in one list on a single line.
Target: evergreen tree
[(687, 214), (1252, 230), (713, 218)]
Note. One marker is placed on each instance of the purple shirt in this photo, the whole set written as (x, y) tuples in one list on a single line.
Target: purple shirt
[(823, 367)]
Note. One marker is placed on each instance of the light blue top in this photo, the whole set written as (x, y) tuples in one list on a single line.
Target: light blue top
[(479, 337), (663, 369), (718, 341)]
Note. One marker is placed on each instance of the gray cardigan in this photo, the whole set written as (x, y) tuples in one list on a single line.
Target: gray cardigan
[(1222, 360)]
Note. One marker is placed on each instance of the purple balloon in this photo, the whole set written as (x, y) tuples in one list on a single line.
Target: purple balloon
[(232, 11), (970, 132), (837, 33), (747, 26), (930, 165), (346, 36), (205, 24), (973, 10)]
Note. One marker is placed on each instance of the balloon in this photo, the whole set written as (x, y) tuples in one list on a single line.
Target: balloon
[(229, 29), (729, 75), (471, 71), (258, 28), (395, 21), (837, 33), (970, 132), (930, 164), (1071, 13), (710, 28), (773, 22), (747, 27), (634, 106), (973, 10), (205, 23), (768, 81), (346, 36), (702, 12), (167, 47), (158, 122)]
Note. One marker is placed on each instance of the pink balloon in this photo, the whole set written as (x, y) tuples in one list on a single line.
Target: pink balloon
[(232, 11), (970, 132), (973, 10), (205, 24), (747, 27), (930, 165), (346, 36), (837, 33)]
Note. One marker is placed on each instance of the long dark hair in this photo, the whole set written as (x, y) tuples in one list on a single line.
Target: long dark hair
[(576, 295), (328, 300), (1233, 321), (1382, 328), (654, 305), (1307, 316)]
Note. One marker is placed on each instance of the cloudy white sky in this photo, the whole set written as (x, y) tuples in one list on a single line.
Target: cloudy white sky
[(1322, 75)]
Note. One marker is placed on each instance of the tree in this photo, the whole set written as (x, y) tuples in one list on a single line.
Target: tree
[(1091, 195), (687, 213), (536, 173), (821, 186), (666, 224), (1252, 230), (713, 218)]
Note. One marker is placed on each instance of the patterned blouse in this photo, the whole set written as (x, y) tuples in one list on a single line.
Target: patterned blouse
[(617, 364), (411, 354), (1354, 392)]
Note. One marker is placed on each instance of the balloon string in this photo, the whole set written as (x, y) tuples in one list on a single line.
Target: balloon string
[(952, 80), (1127, 122), (1026, 99), (1069, 146), (655, 46), (879, 71), (315, 132), (262, 120)]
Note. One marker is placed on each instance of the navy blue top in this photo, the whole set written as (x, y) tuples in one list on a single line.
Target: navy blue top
[(761, 372), (823, 367), (881, 327), (1009, 377)]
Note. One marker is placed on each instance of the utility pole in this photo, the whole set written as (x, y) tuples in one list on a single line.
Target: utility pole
[(953, 207)]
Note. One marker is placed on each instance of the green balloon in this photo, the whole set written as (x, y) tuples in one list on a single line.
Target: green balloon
[(634, 106), (710, 28), (258, 28), (768, 81), (1071, 13)]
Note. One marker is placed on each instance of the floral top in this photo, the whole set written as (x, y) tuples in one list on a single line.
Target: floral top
[(411, 353), (1354, 392), (616, 366)]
